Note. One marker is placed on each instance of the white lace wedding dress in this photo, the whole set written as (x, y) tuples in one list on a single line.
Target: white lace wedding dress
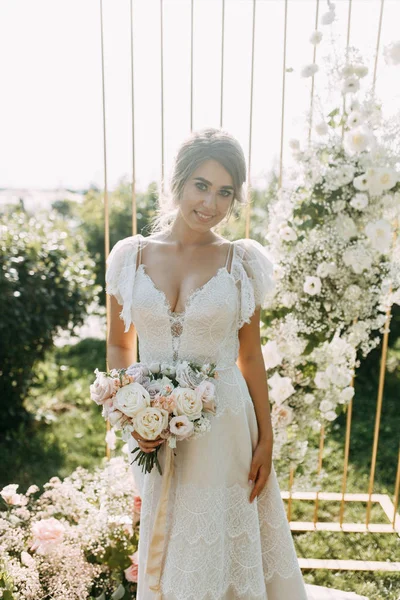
[(218, 545)]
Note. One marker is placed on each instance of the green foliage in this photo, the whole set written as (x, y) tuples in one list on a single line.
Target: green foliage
[(91, 218), (46, 283)]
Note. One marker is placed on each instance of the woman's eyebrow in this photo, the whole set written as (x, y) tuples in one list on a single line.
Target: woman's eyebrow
[(225, 187)]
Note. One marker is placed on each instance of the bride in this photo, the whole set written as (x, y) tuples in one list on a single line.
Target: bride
[(213, 526)]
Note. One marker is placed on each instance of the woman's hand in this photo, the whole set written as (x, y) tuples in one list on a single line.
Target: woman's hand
[(147, 445), (261, 465)]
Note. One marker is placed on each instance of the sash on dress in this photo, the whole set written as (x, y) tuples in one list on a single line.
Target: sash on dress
[(157, 542)]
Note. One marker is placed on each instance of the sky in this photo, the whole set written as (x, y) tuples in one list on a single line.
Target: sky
[(51, 112)]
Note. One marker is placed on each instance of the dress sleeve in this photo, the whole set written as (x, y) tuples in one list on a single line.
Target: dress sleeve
[(254, 269), (120, 275)]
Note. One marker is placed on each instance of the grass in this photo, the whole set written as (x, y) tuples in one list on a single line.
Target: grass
[(69, 431)]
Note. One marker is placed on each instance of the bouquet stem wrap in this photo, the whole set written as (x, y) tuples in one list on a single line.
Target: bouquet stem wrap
[(156, 549)]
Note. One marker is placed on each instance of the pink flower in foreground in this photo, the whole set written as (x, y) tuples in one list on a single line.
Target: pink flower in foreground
[(102, 388), (131, 573), (46, 533), (137, 503)]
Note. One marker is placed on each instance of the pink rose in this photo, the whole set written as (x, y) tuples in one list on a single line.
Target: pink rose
[(181, 427), (102, 388), (131, 573), (46, 533), (137, 503), (206, 391)]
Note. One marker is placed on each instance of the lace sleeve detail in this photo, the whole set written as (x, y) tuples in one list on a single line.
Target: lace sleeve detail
[(254, 270), (120, 275)]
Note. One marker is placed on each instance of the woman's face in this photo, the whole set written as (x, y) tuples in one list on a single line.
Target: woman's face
[(206, 196)]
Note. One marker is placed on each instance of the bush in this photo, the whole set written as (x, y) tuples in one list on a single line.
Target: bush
[(46, 283)]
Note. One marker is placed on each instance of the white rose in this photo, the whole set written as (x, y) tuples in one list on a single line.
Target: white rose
[(187, 402), (294, 144), (309, 70), (347, 71), (361, 182), (309, 398), (102, 388), (181, 427), (281, 416), (281, 388), (338, 375), (347, 394), (272, 356), (316, 37), (359, 201), (357, 258), (312, 285), (117, 419), (330, 415), (287, 234), (346, 227), (131, 398), (380, 235), (387, 178), (357, 140), (321, 380), (350, 85), (326, 268), (150, 422), (326, 405), (360, 70), (354, 119)]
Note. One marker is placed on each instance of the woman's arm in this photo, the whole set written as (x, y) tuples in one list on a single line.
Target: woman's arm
[(120, 345), (251, 363)]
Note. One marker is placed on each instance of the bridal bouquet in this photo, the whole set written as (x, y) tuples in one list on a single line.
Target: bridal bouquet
[(160, 400)]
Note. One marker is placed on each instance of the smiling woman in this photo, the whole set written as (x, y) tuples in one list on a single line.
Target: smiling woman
[(213, 525)]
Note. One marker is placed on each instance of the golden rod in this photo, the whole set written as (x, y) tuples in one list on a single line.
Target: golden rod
[(162, 95), (133, 190), (320, 455), (247, 228), (106, 205), (347, 54), (291, 478), (396, 492), (346, 452), (312, 78), (222, 62), (385, 342), (377, 45), (283, 95)]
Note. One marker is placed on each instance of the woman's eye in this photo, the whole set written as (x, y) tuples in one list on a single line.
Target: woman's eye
[(225, 193)]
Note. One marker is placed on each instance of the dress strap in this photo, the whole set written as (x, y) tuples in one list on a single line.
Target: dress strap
[(229, 252), (138, 263)]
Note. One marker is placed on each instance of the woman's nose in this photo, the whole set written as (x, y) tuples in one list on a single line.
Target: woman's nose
[(211, 199)]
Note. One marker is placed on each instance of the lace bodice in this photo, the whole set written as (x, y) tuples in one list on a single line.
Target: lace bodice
[(207, 330)]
